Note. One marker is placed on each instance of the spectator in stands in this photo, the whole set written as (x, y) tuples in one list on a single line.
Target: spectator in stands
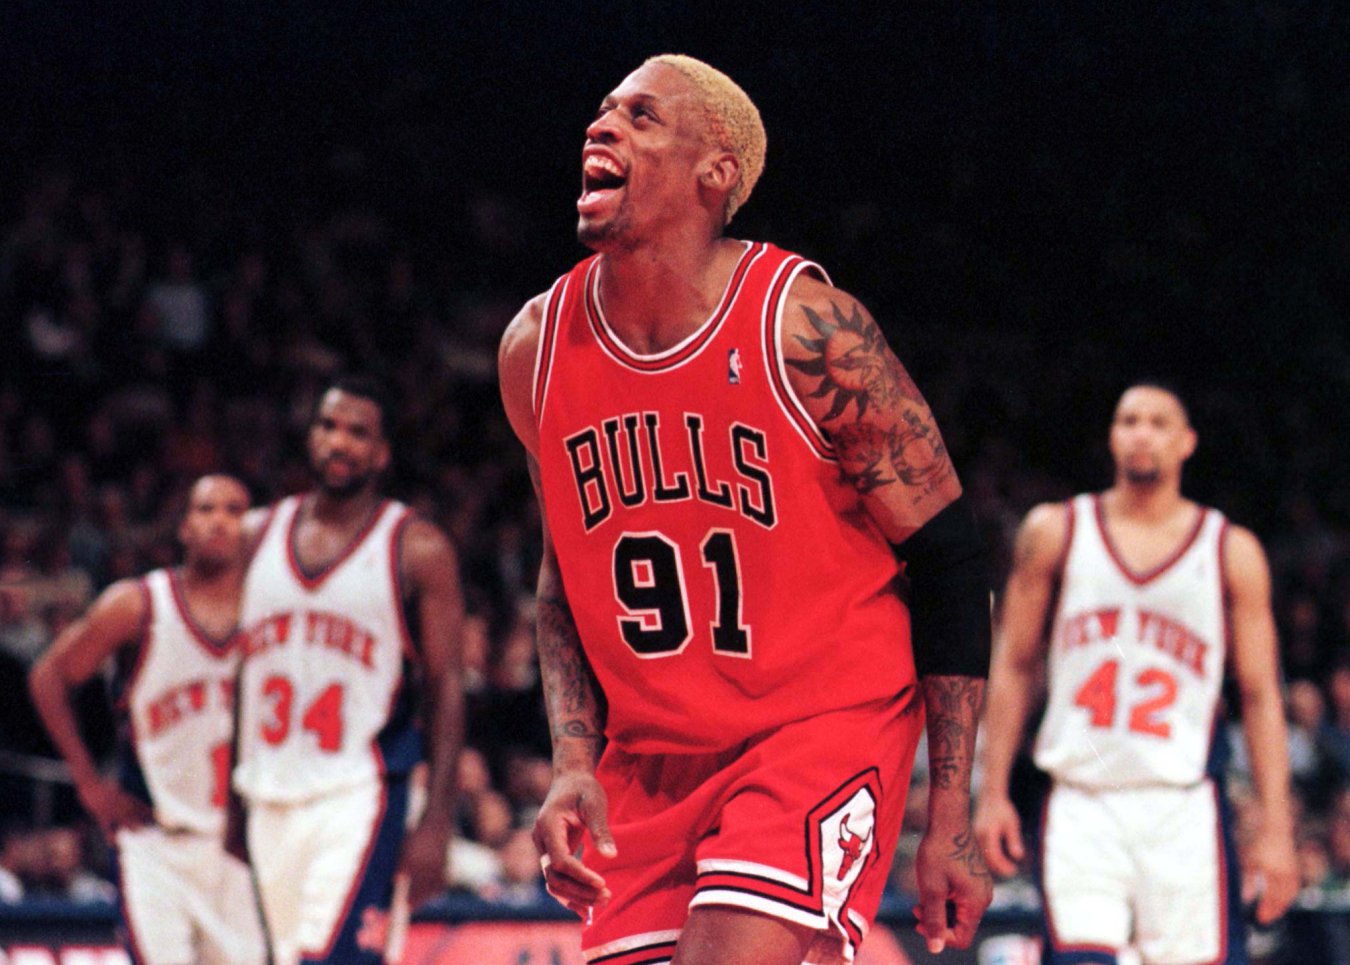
[(1314, 856), (1334, 737), (526, 782), (18, 847), (23, 636), (519, 881), (180, 302), (1338, 844), (62, 871), (483, 812), (1300, 632), (1308, 766), (1305, 712)]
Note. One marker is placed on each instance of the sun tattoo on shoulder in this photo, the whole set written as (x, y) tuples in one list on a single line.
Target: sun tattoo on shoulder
[(851, 360), (856, 367)]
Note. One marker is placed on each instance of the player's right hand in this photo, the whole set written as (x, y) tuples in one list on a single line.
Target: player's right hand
[(113, 808), (998, 830), (576, 804)]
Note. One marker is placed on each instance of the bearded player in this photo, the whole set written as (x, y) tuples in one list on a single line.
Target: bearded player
[(351, 615)]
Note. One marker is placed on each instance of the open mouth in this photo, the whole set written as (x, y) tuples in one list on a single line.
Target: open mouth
[(601, 178)]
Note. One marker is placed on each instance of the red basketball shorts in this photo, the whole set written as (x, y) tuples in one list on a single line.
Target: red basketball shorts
[(800, 824)]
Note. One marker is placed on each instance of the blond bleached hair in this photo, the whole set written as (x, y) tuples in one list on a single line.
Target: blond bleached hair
[(733, 121)]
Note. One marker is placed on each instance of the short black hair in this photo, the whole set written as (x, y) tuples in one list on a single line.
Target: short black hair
[(1162, 385), (362, 385)]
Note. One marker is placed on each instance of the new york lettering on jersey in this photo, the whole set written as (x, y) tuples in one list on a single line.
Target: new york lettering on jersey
[(179, 704), (1136, 659), (713, 554), (323, 698)]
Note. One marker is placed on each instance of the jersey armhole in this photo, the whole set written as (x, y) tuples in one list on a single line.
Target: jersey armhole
[(268, 518), (1225, 594), (131, 659), (1052, 613), (1070, 520), (548, 338), (775, 302), (402, 603)]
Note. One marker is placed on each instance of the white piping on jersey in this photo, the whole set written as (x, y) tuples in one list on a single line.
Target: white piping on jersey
[(630, 942), (544, 367), (774, 907), (719, 315), (733, 866), (775, 358)]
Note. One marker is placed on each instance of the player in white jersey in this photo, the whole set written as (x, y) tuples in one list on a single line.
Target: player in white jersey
[(1139, 599), (351, 616), (172, 637)]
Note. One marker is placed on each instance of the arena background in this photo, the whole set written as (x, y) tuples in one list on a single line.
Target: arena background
[(1038, 203)]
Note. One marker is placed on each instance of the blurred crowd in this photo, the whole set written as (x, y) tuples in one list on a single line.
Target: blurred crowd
[(151, 339)]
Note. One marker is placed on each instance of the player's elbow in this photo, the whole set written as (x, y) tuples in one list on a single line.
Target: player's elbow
[(942, 496), (949, 605), (43, 679), (1259, 694), (1018, 660)]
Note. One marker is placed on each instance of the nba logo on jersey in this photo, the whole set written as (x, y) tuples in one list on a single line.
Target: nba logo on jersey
[(734, 366)]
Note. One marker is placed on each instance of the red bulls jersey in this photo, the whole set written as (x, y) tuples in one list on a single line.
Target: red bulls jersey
[(722, 573)]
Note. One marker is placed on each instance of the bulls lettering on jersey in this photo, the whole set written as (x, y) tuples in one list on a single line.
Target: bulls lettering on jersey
[(722, 572), (179, 705), (1136, 660), (323, 698), (616, 472)]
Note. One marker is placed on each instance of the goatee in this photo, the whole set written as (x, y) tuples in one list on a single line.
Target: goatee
[(1143, 477)]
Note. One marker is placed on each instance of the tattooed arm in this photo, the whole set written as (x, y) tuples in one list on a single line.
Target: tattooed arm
[(949, 865), (891, 451), (576, 707), (864, 401), (575, 703)]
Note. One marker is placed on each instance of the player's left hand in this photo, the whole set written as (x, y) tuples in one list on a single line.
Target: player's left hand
[(424, 859), (955, 887), (1270, 875)]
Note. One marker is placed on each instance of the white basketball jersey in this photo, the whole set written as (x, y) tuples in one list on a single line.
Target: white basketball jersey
[(322, 699), (179, 704), (1136, 659)]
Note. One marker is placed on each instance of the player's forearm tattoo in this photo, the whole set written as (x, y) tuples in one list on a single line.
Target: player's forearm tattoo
[(854, 365), (571, 693), (953, 709)]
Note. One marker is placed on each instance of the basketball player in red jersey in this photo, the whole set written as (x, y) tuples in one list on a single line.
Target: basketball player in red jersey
[(732, 466), (1139, 599)]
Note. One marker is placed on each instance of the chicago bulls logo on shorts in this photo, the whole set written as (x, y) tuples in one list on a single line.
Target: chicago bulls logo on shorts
[(853, 847), (848, 838)]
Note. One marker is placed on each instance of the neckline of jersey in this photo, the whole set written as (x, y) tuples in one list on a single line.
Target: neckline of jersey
[(312, 580), (1141, 577), (687, 347), (216, 646)]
